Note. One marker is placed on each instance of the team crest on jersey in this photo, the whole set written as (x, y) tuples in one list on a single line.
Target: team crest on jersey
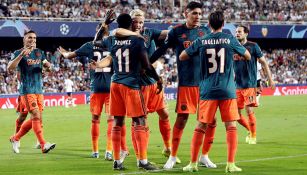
[(201, 33), (237, 57), (186, 44), (38, 54), (184, 36)]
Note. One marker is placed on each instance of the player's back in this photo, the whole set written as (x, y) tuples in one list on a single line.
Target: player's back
[(217, 74), (126, 60)]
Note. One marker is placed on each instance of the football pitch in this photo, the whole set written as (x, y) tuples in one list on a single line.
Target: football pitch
[(281, 147)]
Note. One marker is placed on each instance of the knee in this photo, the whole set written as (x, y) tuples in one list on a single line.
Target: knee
[(201, 126), (181, 121), (163, 114), (35, 114), (95, 117)]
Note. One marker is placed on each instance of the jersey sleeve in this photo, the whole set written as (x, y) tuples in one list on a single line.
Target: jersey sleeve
[(14, 55), (85, 50), (258, 51), (194, 48), (236, 46), (141, 44), (155, 34)]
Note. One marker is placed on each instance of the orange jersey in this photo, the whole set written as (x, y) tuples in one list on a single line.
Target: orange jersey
[(153, 101), (97, 100), (187, 100), (125, 101), (246, 97), (228, 109)]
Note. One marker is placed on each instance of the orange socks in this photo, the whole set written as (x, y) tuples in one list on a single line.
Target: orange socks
[(24, 129), (165, 130), (140, 134), (109, 138), (232, 142), (123, 139), (252, 124), (95, 135), (177, 133), (116, 141), (244, 122), (135, 146), (210, 131), (37, 128), (196, 143)]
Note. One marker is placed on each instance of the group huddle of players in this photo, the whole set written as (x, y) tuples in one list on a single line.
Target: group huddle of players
[(215, 69)]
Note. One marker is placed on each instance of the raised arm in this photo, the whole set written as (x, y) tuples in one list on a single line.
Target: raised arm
[(109, 18), (14, 63), (267, 71)]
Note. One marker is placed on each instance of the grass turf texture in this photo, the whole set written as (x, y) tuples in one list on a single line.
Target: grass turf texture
[(281, 147)]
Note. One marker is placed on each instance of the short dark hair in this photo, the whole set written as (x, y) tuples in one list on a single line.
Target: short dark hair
[(216, 19), (193, 5), (124, 21), (245, 28), (28, 32)]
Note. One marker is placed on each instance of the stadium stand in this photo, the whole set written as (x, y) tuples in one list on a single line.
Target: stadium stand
[(238, 10), (287, 66)]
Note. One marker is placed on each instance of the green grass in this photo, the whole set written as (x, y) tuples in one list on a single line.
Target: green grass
[(281, 148)]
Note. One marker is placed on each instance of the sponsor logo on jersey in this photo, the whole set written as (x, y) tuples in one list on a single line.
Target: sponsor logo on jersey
[(33, 62)]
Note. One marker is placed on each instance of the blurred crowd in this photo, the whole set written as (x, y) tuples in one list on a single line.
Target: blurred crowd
[(287, 66), (163, 10)]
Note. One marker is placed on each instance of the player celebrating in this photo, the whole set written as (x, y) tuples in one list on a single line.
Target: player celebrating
[(180, 38), (129, 57), (30, 62), (154, 102), (217, 86), (246, 82), (100, 88)]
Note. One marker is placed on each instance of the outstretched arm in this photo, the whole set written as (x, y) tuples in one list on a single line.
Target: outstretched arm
[(158, 53), (105, 62), (67, 54)]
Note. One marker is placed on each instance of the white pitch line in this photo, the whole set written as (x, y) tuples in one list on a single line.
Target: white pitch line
[(221, 163)]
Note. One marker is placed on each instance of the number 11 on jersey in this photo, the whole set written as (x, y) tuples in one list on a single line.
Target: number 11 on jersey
[(123, 62)]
